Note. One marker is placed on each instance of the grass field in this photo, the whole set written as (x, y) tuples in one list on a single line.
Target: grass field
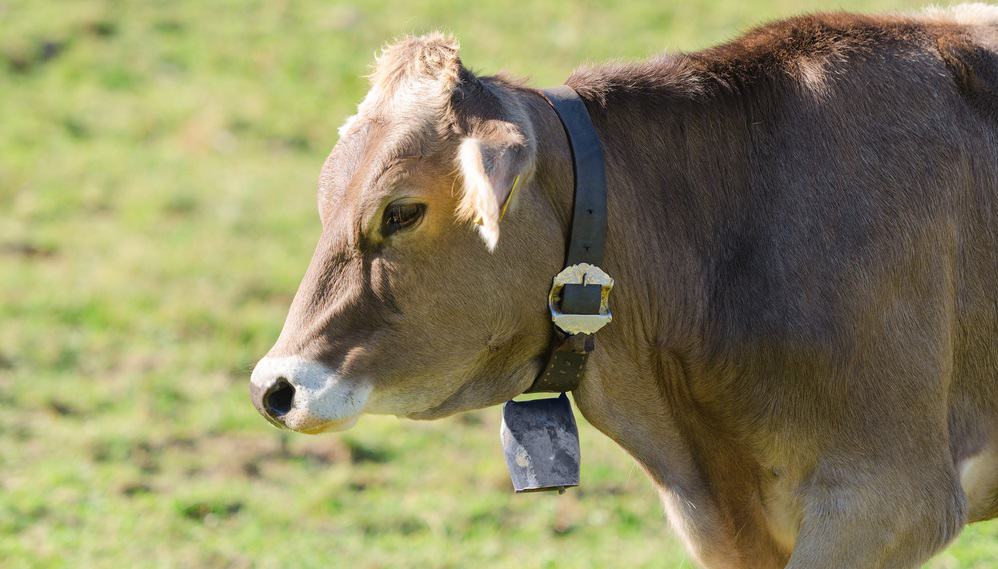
[(157, 171)]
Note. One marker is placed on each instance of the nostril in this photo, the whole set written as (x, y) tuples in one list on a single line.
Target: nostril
[(279, 398)]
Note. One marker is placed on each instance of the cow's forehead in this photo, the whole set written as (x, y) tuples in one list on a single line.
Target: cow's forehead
[(354, 168), (404, 114)]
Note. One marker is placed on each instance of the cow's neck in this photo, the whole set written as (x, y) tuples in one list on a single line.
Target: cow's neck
[(639, 386)]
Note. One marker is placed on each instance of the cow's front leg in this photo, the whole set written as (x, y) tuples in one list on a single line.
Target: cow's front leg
[(878, 517)]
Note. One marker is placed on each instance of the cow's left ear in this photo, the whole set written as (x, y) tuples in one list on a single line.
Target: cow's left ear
[(492, 169)]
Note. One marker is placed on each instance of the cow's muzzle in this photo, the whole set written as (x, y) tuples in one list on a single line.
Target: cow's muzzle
[(305, 396)]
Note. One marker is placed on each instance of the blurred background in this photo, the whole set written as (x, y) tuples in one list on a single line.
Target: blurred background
[(158, 163)]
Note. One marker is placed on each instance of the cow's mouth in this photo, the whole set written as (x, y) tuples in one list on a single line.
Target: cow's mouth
[(331, 426)]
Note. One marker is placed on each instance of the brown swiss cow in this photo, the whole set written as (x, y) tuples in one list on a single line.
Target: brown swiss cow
[(803, 229)]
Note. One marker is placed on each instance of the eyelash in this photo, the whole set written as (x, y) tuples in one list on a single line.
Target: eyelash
[(401, 217)]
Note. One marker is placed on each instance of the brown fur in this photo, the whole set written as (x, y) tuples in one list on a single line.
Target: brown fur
[(804, 236)]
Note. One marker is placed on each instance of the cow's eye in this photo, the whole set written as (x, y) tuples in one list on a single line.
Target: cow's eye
[(401, 216)]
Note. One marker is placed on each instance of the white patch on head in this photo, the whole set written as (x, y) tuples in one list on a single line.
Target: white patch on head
[(323, 400)]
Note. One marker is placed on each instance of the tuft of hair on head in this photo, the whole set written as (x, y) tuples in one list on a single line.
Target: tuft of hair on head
[(413, 77), (431, 57)]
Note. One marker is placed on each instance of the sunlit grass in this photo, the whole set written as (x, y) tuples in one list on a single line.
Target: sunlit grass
[(157, 170)]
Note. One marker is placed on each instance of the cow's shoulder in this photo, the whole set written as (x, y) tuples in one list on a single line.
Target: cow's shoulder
[(971, 55)]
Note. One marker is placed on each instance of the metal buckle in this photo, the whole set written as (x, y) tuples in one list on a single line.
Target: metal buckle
[(581, 274)]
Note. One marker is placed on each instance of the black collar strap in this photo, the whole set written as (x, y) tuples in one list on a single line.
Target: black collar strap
[(579, 293)]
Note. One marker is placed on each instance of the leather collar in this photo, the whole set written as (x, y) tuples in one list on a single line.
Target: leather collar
[(579, 293)]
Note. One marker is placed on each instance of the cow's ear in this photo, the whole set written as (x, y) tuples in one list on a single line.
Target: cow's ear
[(492, 169)]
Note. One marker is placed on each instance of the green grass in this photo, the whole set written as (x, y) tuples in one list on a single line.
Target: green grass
[(157, 169)]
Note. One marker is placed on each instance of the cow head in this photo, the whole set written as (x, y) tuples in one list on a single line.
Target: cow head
[(422, 298)]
